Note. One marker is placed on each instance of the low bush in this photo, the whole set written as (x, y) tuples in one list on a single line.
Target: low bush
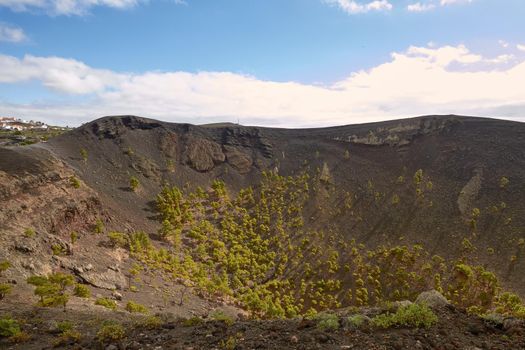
[(118, 239), (192, 321), (413, 315), (107, 303), (82, 291), (111, 332), (58, 249), (64, 326), (9, 327), (132, 306), (219, 315), (134, 183), (74, 182), (355, 320), (151, 322), (327, 322), (68, 337), (4, 266), (29, 232), (4, 290)]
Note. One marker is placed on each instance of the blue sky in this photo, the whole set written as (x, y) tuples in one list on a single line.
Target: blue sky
[(205, 61)]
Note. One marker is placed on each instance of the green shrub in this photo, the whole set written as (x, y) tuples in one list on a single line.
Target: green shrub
[(74, 237), (192, 321), (494, 319), (152, 322), (355, 320), (4, 266), (413, 315), (4, 290), (74, 182), (132, 306), (82, 291), (111, 332), (219, 315), (134, 183), (118, 239), (84, 154), (29, 232), (64, 326), (20, 337), (68, 337), (510, 304), (107, 303), (327, 322), (9, 327), (58, 249), (52, 289), (228, 344), (68, 334), (99, 226)]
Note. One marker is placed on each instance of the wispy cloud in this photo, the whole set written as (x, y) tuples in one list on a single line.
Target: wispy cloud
[(452, 2), (503, 43), (65, 7), (11, 34), (355, 7), (419, 7), (520, 47), (419, 80), (433, 4)]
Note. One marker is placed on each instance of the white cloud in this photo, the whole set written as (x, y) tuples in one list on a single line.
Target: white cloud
[(501, 59), (417, 81), (354, 7), (419, 7), (59, 74), (65, 7), (503, 43), (432, 4), (11, 34), (520, 47), (453, 2)]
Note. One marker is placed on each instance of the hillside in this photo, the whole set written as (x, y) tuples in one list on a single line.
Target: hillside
[(464, 158), (270, 222)]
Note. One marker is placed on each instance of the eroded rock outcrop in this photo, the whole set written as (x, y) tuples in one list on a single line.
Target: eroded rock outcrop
[(238, 159), (202, 154)]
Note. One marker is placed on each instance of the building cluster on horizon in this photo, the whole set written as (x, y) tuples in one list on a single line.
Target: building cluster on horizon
[(12, 123)]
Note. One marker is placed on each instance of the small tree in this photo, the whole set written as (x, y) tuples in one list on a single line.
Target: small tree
[(99, 226), (75, 182), (84, 154), (29, 232), (4, 290), (4, 265), (118, 239), (134, 183), (52, 289), (133, 273), (166, 230), (74, 237), (81, 291)]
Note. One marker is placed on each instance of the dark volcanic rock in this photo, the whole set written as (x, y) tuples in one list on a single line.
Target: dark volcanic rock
[(238, 159), (202, 154)]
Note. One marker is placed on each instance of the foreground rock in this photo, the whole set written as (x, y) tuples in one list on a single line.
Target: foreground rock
[(432, 299)]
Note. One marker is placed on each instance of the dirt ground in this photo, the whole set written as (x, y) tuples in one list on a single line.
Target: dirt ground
[(454, 330)]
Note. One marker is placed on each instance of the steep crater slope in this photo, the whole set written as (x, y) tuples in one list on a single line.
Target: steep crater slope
[(453, 184), (463, 159)]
